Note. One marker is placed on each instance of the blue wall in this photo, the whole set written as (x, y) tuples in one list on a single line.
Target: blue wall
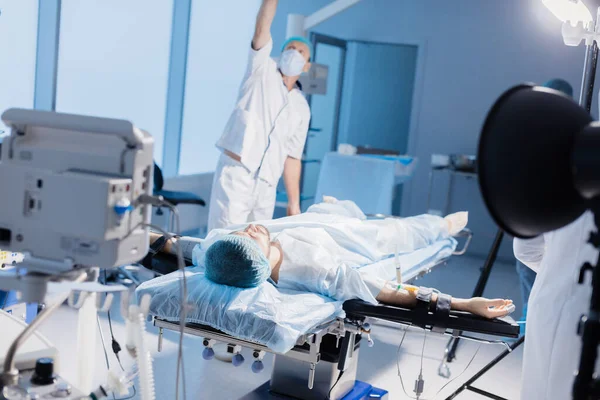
[(473, 51)]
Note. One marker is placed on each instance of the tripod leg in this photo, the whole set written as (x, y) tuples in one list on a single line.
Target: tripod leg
[(481, 283), (484, 370)]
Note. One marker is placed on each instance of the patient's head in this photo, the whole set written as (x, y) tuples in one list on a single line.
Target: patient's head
[(259, 234), (240, 259)]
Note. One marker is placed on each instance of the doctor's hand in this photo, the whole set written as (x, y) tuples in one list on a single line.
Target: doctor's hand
[(489, 308), (293, 209)]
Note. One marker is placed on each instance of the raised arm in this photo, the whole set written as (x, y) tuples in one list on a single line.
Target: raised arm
[(262, 32)]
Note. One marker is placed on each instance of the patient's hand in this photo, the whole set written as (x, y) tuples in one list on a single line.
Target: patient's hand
[(488, 308), (154, 237)]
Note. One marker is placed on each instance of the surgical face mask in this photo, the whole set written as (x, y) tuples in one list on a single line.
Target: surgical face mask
[(292, 63)]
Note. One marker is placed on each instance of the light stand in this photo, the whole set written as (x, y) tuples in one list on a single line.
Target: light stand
[(550, 180), (586, 385), (589, 77), (589, 70)]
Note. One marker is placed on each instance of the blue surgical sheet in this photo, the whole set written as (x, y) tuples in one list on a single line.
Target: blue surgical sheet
[(266, 315)]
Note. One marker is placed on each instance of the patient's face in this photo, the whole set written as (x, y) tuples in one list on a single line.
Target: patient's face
[(260, 234)]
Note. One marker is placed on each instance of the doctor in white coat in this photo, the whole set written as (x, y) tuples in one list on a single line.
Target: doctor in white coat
[(265, 135), (557, 301)]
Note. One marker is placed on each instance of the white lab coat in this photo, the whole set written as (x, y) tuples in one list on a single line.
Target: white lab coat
[(269, 124), (237, 196), (552, 347)]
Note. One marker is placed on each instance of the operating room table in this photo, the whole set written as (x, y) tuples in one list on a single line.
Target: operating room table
[(313, 367)]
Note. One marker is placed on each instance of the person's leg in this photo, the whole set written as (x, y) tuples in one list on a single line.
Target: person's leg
[(526, 279), (231, 197), (265, 202), (413, 233)]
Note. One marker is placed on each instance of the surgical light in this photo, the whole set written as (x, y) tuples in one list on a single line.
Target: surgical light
[(572, 11), (539, 170), (578, 25), (528, 173)]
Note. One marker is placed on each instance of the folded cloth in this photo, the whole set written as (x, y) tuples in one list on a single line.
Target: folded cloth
[(331, 205)]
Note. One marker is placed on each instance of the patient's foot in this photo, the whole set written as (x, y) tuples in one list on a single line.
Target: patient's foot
[(330, 200), (457, 222)]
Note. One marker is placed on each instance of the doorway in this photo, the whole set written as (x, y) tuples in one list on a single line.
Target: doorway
[(368, 102)]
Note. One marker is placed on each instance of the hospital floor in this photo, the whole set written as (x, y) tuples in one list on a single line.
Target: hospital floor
[(218, 380)]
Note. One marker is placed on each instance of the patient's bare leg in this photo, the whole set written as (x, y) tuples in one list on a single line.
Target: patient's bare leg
[(413, 233)]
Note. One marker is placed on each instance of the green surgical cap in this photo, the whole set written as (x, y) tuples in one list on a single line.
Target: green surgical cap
[(298, 39), (237, 261)]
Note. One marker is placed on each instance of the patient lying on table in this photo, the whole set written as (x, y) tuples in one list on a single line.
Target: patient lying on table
[(319, 251)]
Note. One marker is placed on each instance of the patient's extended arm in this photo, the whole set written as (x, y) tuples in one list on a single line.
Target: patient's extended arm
[(187, 245), (477, 305)]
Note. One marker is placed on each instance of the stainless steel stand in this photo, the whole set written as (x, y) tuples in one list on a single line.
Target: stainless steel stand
[(589, 71), (452, 173)]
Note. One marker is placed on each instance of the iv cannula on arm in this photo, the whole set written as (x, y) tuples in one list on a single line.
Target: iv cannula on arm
[(400, 286)]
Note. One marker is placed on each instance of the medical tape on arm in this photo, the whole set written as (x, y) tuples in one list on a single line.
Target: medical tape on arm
[(442, 312), (421, 309)]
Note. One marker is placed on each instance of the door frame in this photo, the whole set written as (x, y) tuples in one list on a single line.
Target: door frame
[(418, 94), (317, 38)]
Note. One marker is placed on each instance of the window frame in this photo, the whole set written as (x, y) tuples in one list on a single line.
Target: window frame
[(46, 72)]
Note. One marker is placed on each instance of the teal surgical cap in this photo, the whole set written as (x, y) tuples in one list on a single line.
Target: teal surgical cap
[(298, 39), (561, 85), (236, 261)]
